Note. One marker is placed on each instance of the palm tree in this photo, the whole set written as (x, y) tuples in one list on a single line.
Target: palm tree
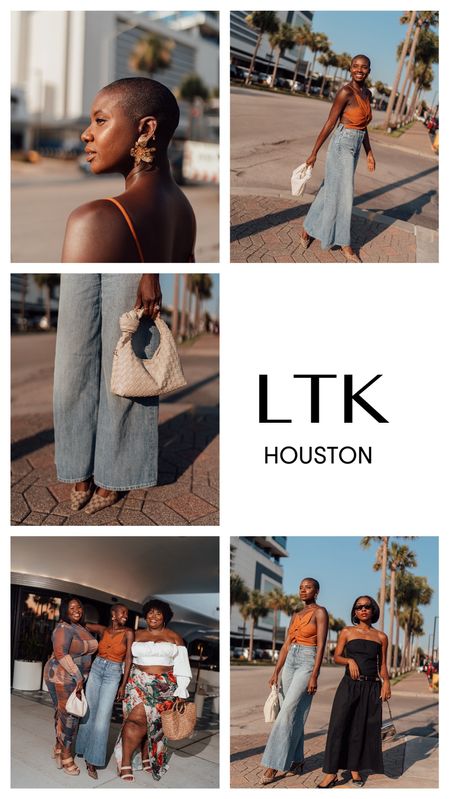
[(415, 591), (400, 558), (380, 564), (318, 43), (410, 18), (427, 53), (183, 321), (301, 37), (255, 608), (200, 286), (47, 284), (275, 600), (151, 54), (425, 20), (262, 22), (345, 64), (192, 87), (281, 40), (327, 59), (238, 590)]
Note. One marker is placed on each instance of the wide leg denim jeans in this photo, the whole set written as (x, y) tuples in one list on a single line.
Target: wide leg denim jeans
[(101, 689), (98, 434), (286, 741), (329, 217)]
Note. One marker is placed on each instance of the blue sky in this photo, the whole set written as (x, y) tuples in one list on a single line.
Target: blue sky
[(212, 305), (374, 33), (344, 571)]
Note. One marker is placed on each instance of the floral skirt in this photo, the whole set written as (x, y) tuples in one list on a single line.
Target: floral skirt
[(155, 692)]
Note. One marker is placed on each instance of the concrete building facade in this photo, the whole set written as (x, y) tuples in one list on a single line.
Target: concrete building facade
[(258, 562), (243, 40)]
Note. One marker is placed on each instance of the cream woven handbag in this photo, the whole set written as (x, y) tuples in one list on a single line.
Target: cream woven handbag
[(147, 377), (77, 706)]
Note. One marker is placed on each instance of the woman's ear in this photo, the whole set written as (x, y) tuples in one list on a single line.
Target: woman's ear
[(147, 126)]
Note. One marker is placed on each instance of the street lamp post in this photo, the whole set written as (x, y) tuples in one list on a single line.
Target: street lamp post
[(434, 637)]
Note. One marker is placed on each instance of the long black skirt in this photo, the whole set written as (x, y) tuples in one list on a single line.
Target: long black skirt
[(354, 733)]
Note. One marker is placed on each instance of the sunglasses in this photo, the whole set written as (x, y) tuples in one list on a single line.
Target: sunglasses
[(363, 607)]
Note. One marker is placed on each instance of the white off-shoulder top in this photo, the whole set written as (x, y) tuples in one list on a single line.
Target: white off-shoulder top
[(163, 653)]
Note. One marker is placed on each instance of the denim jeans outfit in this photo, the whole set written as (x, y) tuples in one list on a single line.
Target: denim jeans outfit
[(101, 690), (98, 434), (286, 740), (329, 217)]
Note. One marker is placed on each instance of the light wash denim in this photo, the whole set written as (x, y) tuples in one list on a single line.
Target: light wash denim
[(286, 741), (329, 217), (101, 689), (113, 439)]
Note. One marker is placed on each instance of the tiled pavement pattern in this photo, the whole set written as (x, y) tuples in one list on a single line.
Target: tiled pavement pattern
[(246, 768), (267, 229), (188, 486)]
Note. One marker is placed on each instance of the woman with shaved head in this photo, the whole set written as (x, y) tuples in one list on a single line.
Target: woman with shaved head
[(329, 217), (132, 123)]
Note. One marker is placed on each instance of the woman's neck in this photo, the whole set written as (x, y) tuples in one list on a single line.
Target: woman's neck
[(146, 172)]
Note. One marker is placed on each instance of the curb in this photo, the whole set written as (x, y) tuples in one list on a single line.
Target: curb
[(427, 240)]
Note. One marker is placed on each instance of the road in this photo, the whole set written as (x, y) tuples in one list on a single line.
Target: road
[(44, 194), (32, 358), (414, 715), (273, 133)]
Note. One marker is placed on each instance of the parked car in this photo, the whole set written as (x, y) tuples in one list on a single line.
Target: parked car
[(240, 653), (237, 73)]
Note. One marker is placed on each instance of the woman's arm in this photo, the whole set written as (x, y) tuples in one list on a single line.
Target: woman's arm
[(322, 632), (149, 294), (127, 665), (384, 674), (94, 234), (95, 628), (282, 656), (337, 108), (369, 153), (62, 638), (341, 660)]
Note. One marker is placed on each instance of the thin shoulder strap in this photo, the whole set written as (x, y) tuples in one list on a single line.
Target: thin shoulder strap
[(130, 225)]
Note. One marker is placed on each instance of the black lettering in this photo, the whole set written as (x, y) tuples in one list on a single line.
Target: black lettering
[(349, 397), (263, 405), (315, 390)]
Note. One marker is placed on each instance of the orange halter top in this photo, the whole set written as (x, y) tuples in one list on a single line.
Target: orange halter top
[(113, 647), (303, 630), (358, 118)]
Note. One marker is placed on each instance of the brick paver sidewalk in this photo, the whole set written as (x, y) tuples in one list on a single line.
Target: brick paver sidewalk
[(267, 229), (246, 768), (188, 484)]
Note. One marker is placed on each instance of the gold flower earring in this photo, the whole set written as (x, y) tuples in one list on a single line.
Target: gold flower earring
[(142, 152)]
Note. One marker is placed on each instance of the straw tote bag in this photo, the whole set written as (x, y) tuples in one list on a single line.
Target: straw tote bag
[(179, 721), (145, 377), (77, 706)]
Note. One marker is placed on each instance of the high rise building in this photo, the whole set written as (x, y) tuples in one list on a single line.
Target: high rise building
[(257, 561), (243, 40)]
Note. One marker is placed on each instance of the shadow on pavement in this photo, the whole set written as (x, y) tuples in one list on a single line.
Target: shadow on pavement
[(269, 220), (369, 195), (406, 210), (24, 447), (176, 396)]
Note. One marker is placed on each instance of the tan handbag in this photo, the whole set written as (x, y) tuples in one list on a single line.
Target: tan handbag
[(145, 377), (77, 706), (179, 721)]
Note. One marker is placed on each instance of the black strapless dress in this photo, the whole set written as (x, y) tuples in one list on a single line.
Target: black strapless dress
[(354, 733)]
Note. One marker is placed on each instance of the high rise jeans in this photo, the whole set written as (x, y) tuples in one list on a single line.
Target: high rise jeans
[(101, 689), (98, 434), (286, 741), (329, 217)]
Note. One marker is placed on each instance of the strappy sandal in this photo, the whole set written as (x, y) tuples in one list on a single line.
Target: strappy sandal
[(148, 768), (78, 499), (352, 257), (330, 784), (305, 243), (92, 771), (126, 777), (70, 767), (56, 755), (266, 779), (99, 503)]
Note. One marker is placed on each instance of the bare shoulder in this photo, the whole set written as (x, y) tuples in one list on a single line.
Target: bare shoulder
[(129, 633), (174, 637), (92, 213), (321, 612), (345, 92), (382, 637), (140, 635)]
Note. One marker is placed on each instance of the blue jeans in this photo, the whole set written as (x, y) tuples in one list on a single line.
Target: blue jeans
[(98, 434), (286, 740), (101, 689), (330, 215)]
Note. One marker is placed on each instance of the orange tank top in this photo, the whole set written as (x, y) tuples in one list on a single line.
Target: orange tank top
[(303, 630), (358, 118), (113, 647)]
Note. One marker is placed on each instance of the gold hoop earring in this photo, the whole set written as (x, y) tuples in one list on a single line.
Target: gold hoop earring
[(142, 152)]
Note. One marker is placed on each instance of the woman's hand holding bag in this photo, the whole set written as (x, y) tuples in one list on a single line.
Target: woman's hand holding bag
[(272, 705)]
